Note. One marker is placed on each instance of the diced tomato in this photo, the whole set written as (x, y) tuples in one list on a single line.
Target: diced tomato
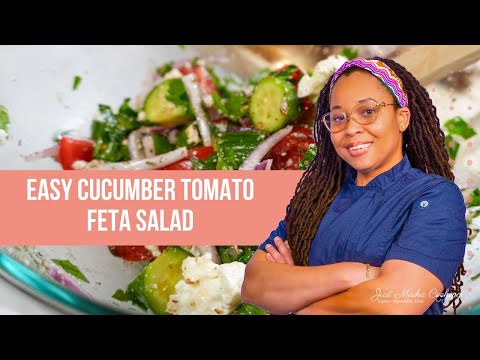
[(295, 74), (199, 153), (71, 150), (134, 253), (185, 67), (289, 151), (205, 81), (308, 114)]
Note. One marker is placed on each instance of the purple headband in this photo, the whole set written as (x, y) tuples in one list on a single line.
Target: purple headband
[(382, 72)]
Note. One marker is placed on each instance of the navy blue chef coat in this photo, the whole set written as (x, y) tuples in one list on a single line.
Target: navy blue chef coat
[(402, 214)]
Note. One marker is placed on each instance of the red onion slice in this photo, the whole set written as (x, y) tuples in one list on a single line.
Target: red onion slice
[(152, 163), (263, 148), (264, 165), (195, 97), (64, 280), (148, 146), (135, 146), (140, 142), (49, 152)]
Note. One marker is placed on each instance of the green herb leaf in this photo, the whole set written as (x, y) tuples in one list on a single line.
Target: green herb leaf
[(350, 53), (4, 118), (195, 61), (232, 104), (161, 144), (209, 164), (71, 269), (112, 130), (229, 254), (260, 75), (128, 295), (126, 110), (183, 47), (452, 146), (165, 68), (234, 147), (76, 82), (217, 101), (135, 291), (237, 106), (472, 216), (121, 295), (247, 253), (177, 94), (475, 198), (249, 309), (458, 126), (476, 277), (308, 157), (216, 79)]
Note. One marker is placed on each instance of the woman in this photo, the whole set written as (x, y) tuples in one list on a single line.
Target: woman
[(376, 217)]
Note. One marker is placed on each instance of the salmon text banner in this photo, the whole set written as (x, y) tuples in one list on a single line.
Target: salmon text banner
[(51, 207)]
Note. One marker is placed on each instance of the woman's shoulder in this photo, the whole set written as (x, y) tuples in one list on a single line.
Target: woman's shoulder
[(436, 186)]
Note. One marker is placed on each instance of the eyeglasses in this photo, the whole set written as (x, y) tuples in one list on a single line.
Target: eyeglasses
[(364, 113)]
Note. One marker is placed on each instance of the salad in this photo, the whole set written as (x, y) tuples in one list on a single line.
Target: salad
[(194, 116), (197, 117)]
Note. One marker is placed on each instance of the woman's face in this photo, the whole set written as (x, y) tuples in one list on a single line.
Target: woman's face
[(383, 137)]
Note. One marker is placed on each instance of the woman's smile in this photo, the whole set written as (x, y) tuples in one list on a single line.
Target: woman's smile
[(359, 150)]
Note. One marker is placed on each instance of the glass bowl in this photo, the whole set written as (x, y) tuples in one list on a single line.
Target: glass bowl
[(37, 90)]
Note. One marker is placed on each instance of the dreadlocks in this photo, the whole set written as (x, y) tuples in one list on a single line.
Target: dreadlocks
[(423, 142)]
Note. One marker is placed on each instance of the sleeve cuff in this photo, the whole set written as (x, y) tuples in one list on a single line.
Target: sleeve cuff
[(442, 269)]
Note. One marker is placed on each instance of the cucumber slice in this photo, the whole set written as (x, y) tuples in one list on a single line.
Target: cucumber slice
[(274, 104), (168, 104), (157, 281)]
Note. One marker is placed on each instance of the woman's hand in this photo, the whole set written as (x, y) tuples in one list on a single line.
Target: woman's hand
[(283, 255), (273, 282)]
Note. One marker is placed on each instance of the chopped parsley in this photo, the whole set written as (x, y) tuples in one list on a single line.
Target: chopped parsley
[(452, 146), (76, 82), (308, 157), (128, 295), (4, 118), (349, 52), (165, 68), (476, 277), (71, 269), (458, 126), (475, 198)]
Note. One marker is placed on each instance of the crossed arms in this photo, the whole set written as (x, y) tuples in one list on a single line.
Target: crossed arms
[(273, 282)]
